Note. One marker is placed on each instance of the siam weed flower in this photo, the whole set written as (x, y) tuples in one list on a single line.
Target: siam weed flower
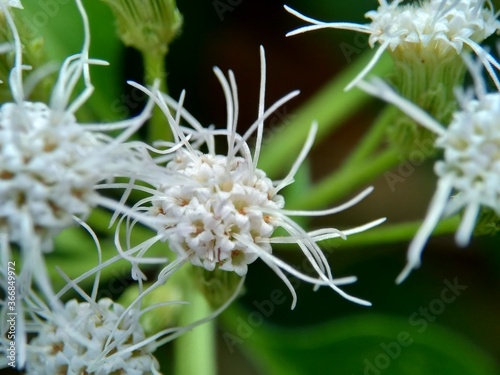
[(51, 166), (470, 166), (425, 40), (99, 336), (220, 211), (91, 338), (424, 32)]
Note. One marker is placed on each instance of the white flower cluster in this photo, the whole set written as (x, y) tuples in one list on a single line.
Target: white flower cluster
[(208, 200), (45, 174), (221, 211), (51, 167), (470, 165), (436, 25), (431, 29), (84, 338), (471, 145), (217, 211)]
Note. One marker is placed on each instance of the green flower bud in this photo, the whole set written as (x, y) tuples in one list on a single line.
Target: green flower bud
[(217, 286), (33, 55), (147, 25), (428, 80), (160, 317)]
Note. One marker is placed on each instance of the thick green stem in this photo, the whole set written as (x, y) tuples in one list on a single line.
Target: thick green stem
[(195, 350), (155, 69), (347, 180), (330, 107)]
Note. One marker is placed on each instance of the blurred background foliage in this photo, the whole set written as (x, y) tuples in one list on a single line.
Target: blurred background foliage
[(325, 334)]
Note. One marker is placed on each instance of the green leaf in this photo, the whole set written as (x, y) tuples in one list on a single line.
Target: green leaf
[(62, 29), (369, 345)]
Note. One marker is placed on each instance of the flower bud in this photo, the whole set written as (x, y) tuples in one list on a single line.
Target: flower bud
[(147, 25)]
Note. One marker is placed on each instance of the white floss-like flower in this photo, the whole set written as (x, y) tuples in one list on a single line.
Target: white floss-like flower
[(91, 338), (99, 336), (220, 211), (51, 166), (470, 165), (428, 28)]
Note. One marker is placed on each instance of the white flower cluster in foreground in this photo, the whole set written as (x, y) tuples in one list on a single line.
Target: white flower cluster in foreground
[(432, 28), (221, 211), (99, 338), (470, 166)]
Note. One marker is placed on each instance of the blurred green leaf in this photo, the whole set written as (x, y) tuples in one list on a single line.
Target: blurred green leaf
[(368, 345), (62, 29)]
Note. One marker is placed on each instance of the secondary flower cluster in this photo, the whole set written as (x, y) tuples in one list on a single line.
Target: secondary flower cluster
[(429, 36), (98, 338), (423, 32), (469, 167)]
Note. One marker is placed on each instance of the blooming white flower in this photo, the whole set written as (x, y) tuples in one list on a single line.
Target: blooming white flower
[(51, 165), (221, 211), (470, 165), (431, 29), (98, 337), (84, 338)]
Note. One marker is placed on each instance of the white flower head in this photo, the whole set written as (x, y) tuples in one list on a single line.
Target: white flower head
[(100, 338), (221, 211), (430, 28), (51, 165), (470, 165)]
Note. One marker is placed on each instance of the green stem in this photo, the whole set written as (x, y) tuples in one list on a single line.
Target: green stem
[(395, 233), (155, 69), (330, 107), (195, 350), (346, 180), (372, 139)]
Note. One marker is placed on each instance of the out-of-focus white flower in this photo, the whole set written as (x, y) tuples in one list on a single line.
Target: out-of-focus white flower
[(11, 3), (470, 166), (430, 29), (220, 211), (51, 165), (90, 338)]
